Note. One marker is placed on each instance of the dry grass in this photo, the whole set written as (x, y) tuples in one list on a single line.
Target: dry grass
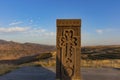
[(85, 63), (5, 68), (37, 60), (96, 57), (43, 63), (101, 63)]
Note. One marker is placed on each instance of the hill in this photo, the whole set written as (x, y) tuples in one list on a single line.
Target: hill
[(15, 50), (101, 52)]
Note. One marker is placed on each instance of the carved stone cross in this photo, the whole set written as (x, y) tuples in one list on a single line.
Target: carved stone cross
[(68, 49)]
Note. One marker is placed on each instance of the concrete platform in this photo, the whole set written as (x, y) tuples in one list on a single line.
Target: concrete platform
[(40, 73)]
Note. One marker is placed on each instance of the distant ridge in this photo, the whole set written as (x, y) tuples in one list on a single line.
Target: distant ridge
[(101, 52), (11, 49)]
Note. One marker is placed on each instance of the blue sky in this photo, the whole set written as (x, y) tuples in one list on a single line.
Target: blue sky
[(35, 20)]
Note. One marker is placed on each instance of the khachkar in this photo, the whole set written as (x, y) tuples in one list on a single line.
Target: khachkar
[(68, 49)]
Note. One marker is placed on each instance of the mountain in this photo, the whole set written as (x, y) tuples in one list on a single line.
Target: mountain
[(13, 50)]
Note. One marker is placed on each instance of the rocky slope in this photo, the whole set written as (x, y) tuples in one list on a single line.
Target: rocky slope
[(13, 50)]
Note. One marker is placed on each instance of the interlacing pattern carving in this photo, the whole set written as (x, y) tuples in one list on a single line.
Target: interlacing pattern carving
[(68, 41), (68, 49)]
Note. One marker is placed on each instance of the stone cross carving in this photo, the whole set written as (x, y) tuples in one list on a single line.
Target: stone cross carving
[(68, 49)]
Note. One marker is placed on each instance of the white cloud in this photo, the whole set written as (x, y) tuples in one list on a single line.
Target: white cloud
[(42, 30), (99, 31), (39, 32), (13, 29), (15, 23), (16, 30), (107, 30), (52, 33), (31, 20)]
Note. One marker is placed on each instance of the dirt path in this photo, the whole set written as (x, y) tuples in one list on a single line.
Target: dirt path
[(40, 73), (30, 73)]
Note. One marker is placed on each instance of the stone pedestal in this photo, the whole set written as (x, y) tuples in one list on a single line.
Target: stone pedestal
[(68, 49)]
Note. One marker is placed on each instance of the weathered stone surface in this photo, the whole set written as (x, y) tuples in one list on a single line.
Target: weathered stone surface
[(68, 49)]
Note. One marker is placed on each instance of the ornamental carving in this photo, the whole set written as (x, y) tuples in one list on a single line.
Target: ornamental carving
[(68, 50)]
